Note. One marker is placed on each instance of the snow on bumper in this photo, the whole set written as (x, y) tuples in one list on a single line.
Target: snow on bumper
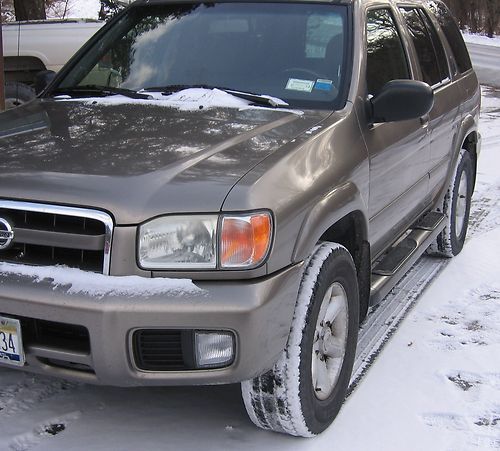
[(258, 312)]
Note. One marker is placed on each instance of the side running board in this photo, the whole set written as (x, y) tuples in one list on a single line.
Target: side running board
[(396, 262)]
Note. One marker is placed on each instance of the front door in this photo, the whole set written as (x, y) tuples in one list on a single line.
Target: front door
[(399, 152)]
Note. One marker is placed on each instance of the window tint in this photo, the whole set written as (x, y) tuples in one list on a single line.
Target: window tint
[(295, 53), (386, 59), (438, 46), (453, 35), (319, 32), (325, 45), (429, 62)]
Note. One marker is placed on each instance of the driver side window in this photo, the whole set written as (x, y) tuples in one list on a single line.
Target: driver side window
[(386, 59)]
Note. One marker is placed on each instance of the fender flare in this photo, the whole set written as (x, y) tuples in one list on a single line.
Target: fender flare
[(335, 205), (467, 126), (26, 61)]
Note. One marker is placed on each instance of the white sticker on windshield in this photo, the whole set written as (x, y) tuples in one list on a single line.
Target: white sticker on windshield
[(296, 84)]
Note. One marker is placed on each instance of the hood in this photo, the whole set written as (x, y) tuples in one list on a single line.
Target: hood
[(136, 160)]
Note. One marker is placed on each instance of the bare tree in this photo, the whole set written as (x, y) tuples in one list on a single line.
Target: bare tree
[(61, 9), (477, 16), (492, 17)]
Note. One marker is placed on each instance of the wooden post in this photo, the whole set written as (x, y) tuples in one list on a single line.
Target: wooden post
[(2, 78)]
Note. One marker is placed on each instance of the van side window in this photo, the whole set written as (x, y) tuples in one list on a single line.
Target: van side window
[(453, 35), (433, 71), (386, 59)]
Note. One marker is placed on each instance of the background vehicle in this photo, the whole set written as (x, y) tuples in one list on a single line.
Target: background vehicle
[(294, 183), (31, 47)]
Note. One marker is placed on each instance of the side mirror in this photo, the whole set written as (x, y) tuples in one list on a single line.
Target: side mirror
[(43, 79), (400, 100)]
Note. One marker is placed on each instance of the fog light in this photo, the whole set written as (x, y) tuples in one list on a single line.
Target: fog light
[(213, 349)]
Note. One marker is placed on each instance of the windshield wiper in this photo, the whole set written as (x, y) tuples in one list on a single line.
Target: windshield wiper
[(102, 91), (250, 96)]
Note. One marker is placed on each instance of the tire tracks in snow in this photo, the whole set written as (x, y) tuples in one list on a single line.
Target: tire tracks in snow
[(383, 320), (28, 393)]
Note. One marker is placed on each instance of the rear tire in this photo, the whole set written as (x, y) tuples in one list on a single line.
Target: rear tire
[(456, 207), (304, 391), (17, 94)]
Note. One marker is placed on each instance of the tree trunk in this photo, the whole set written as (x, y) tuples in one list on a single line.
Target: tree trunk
[(492, 17), (29, 9)]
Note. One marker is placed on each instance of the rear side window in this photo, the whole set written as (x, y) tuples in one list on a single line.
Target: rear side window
[(453, 35), (429, 51), (437, 44), (386, 59)]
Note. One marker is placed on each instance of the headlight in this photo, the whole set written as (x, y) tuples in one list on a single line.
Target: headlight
[(205, 241), (176, 242)]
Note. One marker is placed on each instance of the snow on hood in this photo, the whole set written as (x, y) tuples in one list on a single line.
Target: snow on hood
[(76, 281), (191, 99)]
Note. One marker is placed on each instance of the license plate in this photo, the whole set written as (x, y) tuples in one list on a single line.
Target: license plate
[(11, 343)]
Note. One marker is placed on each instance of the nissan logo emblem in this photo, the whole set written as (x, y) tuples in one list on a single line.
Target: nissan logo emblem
[(6, 234)]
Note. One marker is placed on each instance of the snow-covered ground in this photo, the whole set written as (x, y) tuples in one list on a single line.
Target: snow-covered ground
[(480, 39), (435, 385)]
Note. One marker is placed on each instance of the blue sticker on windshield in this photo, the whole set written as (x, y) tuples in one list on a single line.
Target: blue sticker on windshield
[(323, 85)]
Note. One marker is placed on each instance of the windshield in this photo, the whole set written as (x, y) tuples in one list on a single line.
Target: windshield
[(294, 52)]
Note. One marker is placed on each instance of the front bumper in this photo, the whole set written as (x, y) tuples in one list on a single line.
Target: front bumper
[(259, 312)]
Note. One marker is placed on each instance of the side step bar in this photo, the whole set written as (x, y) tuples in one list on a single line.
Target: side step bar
[(396, 262)]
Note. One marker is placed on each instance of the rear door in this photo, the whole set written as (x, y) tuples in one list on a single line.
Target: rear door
[(398, 151), (443, 118)]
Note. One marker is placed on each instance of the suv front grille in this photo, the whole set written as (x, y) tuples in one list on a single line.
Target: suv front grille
[(54, 235)]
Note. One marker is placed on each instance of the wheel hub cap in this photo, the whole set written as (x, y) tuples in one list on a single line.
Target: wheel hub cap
[(330, 339), (12, 103)]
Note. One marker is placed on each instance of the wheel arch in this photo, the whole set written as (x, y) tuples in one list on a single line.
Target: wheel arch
[(468, 139), (22, 68), (340, 218), (471, 143)]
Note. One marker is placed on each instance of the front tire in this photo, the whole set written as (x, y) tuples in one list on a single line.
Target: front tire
[(16, 94), (304, 391)]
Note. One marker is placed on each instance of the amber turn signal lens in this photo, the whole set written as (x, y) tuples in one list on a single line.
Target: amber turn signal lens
[(245, 240)]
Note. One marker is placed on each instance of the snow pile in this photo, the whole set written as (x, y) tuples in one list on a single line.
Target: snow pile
[(481, 39), (76, 281), (198, 98), (191, 99)]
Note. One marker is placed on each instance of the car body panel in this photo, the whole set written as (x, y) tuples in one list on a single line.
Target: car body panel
[(260, 316), (168, 161), (311, 169)]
